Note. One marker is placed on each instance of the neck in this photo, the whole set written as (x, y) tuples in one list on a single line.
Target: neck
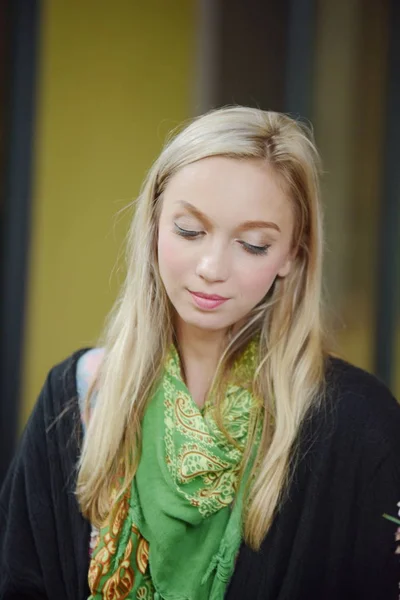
[(200, 352), (203, 347)]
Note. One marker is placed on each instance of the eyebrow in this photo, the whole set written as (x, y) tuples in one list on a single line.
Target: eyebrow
[(242, 227)]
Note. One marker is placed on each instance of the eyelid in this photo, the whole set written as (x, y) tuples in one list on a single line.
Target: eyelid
[(258, 246), (188, 233), (252, 248), (254, 245), (187, 230)]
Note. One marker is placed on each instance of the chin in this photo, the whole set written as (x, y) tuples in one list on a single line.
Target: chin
[(205, 321), (210, 326)]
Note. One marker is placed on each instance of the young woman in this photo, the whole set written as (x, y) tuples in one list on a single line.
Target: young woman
[(211, 447)]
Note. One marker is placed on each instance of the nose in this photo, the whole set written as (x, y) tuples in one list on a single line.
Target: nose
[(213, 264)]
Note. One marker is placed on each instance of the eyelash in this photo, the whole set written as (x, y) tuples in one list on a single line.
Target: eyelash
[(257, 250), (186, 233), (250, 248)]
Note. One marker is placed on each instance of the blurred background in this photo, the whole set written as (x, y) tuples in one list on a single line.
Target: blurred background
[(88, 91)]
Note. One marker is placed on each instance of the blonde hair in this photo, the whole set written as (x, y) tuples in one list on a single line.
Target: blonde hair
[(290, 373)]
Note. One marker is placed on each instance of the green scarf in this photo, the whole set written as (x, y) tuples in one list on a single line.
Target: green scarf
[(176, 534)]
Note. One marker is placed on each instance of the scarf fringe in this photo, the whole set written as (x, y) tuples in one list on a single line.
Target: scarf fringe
[(223, 565)]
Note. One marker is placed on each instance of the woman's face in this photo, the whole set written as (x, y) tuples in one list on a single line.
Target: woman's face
[(225, 234)]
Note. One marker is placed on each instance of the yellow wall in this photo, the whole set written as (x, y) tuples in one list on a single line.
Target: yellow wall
[(114, 78)]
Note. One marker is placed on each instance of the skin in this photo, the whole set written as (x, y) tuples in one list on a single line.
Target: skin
[(205, 244)]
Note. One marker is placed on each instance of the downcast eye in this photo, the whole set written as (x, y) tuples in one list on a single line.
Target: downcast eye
[(187, 233), (257, 250)]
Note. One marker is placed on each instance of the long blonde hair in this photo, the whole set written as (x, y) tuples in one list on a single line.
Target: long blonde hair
[(290, 373)]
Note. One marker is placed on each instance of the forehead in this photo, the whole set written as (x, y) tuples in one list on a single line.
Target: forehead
[(229, 190)]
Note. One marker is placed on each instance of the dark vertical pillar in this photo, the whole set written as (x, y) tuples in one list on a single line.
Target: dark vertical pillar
[(20, 51), (389, 236), (300, 58), (252, 53), (207, 72)]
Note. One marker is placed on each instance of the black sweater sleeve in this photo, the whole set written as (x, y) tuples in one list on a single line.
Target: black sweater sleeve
[(41, 531), (20, 567)]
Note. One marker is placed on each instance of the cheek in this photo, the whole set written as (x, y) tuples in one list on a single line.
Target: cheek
[(255, 283), (171, 259)]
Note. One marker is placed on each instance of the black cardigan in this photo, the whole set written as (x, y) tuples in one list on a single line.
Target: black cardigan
[(329, 540)]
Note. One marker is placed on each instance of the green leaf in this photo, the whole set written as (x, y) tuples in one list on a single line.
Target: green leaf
[(390, 518)]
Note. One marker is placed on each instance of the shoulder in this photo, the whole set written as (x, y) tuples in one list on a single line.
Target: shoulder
[(353, 434), (57, 402), (357, 391), (53, 431), (60, 385), (360, 409)]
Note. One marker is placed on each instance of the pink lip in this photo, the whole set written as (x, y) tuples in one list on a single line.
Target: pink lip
[(207, 301)]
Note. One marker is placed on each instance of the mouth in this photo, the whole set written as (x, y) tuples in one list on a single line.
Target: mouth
[(207, 301)]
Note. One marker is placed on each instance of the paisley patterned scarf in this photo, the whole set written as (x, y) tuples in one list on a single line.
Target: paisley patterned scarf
[(176, 533)]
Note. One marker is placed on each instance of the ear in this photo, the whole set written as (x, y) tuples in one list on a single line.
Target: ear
[(286, 267)]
